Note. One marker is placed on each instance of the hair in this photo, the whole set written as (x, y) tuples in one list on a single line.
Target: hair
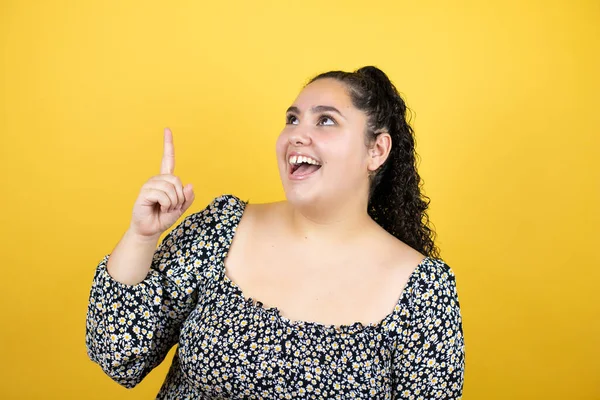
[(395, 199)]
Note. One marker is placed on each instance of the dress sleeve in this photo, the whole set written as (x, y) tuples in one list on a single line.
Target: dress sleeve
[(430, 356), (131, 328)]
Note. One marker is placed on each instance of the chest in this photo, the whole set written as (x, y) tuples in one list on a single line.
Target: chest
[(307, 282)]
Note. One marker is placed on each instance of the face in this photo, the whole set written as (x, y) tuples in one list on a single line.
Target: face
[(324, 126)]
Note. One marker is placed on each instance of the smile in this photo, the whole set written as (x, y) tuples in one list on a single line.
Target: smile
[(302, 167)]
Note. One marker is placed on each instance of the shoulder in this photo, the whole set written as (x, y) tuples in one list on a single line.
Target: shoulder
[(221, 214), (226, 211), (435, 271), (220, 209), (211, 226), (433, 287), (225, 203)]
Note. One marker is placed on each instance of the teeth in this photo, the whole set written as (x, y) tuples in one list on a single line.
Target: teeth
[(303, 159)]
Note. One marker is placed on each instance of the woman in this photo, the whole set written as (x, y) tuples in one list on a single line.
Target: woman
[(338, 292)]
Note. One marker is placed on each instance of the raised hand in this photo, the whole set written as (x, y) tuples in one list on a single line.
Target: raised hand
[(162, 199)]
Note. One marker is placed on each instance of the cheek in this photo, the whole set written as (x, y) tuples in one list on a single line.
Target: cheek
[(346, 153), (281, 145)]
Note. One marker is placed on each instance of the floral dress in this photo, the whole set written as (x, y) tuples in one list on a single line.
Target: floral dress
[(232, 347)]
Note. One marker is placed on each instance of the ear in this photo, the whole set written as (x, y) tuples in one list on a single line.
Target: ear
[(379, 151)]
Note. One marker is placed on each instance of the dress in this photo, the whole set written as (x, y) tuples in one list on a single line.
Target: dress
[(231, 347)]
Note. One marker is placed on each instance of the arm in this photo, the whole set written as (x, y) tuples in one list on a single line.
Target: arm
[(430, 357), (131, 328), (131, 258)]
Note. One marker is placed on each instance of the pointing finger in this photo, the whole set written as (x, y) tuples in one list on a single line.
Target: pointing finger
[(168, 161)]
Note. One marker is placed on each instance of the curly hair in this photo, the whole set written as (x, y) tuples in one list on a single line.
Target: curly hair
[(395, 199)]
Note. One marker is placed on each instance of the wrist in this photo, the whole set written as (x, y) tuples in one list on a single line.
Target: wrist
[(132, 235)]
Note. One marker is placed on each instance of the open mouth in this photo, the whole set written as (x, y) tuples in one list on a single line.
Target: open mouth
[(304, 169), (301, 166)]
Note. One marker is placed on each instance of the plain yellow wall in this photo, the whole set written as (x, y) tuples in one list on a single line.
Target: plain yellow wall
[(505, 95)]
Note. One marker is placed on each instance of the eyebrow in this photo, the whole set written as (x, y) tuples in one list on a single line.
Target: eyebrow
[(316, 109)]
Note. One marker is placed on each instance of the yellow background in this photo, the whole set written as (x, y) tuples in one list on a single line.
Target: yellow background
[(505, 95)]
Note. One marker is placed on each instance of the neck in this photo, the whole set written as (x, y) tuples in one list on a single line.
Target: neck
[(329, 223)]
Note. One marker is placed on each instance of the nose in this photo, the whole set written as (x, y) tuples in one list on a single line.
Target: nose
[(299, 138)]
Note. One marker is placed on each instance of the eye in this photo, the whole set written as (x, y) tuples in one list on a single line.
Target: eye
[(327, 117), (290, 118)]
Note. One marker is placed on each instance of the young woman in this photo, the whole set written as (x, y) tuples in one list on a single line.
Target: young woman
[(336, 293)]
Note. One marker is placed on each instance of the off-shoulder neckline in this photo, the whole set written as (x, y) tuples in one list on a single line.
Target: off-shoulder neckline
[(274, 312)]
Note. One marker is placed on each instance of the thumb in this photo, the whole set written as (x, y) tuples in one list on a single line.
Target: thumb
[(188, 192)]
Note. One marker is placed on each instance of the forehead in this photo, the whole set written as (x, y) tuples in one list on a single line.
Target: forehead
[(325, 91)]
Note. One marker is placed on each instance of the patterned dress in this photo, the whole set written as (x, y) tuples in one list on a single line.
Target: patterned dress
[(232, 347)]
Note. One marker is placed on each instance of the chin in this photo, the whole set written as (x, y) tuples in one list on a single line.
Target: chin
[(299, 196), (309, 201)]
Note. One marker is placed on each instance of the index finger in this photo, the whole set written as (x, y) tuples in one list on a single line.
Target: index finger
[(168, 161)]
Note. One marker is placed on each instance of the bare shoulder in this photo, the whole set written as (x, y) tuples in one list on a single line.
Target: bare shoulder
[(257, 215), (255, 228), (400, 255), (265, 210)]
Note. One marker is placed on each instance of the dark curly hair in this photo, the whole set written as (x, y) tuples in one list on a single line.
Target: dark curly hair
[(395, 199)]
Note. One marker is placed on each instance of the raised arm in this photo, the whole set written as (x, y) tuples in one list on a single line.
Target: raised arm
[(141, 294)]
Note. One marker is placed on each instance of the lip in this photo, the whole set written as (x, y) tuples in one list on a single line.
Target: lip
[(300, 177), (296, 153)]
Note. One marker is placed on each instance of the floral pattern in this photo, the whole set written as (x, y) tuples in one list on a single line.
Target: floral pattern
[(230, 347)]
